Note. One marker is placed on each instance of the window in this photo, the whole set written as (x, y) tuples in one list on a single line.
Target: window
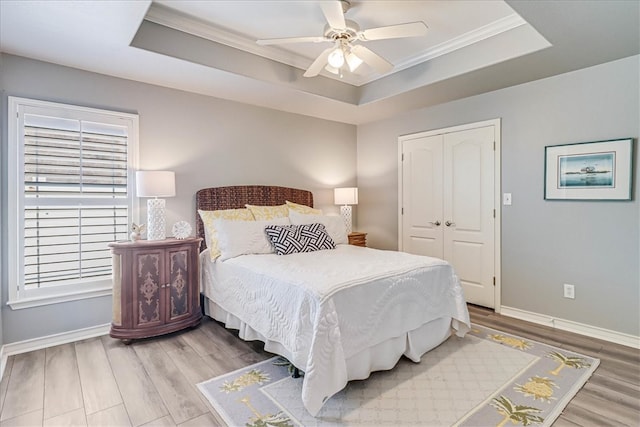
[(70, 181)]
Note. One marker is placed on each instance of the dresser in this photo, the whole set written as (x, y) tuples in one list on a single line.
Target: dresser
[(357, 238), (155, 287)]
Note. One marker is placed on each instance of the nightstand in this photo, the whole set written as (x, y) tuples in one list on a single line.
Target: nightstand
[(357, 238), (155, 287)]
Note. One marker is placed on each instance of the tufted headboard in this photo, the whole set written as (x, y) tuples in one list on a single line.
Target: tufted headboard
[(235, 197)]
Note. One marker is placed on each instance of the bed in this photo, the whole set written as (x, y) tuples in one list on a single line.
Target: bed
[(337, 314)]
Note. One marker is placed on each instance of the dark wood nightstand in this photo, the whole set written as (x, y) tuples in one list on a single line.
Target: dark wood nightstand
[(155, 287), (357, 238)]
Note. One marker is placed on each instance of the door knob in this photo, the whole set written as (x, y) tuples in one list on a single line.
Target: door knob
[(436, 222), (449, 223)]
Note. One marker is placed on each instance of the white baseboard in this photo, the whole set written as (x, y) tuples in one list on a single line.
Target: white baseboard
[(49, 341), (571, 326)]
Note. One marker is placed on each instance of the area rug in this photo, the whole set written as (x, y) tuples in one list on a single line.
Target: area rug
[(488, 378)]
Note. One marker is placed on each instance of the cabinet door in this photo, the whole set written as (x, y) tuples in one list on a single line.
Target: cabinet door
[(147, 289), (180, 283)]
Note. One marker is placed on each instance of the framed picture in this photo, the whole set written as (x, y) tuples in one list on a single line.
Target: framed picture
[(600, 170)]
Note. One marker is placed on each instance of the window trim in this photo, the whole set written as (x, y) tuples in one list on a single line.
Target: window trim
[(15, 199)]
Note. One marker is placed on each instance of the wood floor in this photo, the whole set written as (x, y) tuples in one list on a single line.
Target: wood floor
[(102, 382)]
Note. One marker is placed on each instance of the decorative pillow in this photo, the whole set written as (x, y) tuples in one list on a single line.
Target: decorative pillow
[(333, 223), (210, 234), (303, 209), (261, 213), (237, 238), (291, 239)]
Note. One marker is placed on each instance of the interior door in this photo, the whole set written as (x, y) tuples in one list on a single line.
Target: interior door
[(422, 196), (469, 211), (448, 204)]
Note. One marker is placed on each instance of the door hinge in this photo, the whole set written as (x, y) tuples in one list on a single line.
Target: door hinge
[(401, 211), (494, 213), (402, 157), (494, 145), (494, 280)]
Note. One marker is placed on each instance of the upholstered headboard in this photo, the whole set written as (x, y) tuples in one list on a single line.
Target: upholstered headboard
[(235, 197)]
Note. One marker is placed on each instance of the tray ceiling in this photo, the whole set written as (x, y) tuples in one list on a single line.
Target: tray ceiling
[(208, 47)]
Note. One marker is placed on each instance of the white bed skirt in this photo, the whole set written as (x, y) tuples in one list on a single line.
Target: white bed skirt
[(383, 356)]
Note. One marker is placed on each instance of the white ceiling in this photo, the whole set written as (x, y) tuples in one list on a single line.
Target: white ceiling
[(208, 47)]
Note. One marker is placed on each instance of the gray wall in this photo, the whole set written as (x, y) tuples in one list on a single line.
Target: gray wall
[(592, 245), (206, 141)]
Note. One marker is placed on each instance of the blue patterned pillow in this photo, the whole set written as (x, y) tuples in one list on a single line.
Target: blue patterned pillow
[(291, 239)]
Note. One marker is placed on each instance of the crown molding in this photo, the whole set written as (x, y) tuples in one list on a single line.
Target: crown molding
[(495, 28)]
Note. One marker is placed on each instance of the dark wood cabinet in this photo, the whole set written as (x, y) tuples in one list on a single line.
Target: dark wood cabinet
[(155, 287)]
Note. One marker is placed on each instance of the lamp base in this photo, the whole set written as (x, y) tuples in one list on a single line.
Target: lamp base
[(156, 226), (345, 211)]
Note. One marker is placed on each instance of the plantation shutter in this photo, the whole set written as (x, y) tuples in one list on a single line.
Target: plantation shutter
[(75, 198)]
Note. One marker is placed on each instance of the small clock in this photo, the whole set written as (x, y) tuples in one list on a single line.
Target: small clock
[(181, 230)]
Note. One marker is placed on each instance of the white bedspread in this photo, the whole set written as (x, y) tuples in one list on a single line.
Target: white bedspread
[(323, 307)]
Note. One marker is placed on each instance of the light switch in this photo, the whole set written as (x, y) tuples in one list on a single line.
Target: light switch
[(506, 199)]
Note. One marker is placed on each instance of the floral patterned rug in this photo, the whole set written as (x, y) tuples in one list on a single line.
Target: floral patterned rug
[(488, 378)]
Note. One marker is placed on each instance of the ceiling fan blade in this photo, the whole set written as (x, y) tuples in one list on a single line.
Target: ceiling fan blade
[(410, 29), (310, 39), (380, 64), (317, 65), (333, 13)]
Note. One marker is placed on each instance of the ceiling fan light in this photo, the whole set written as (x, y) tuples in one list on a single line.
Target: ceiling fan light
[(353, 61), (331, 69), (336, 58)]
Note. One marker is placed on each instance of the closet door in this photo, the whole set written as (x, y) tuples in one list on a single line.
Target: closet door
[(468, 211), (422, 196), (448, 204)]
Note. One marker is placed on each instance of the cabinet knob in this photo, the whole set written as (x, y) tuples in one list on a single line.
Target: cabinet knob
[(436, 222), (449, 223)]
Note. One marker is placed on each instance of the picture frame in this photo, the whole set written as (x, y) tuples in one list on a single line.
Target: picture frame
[(599, 170)]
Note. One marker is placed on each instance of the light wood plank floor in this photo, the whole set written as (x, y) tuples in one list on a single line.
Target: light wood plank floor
[(102, 382)]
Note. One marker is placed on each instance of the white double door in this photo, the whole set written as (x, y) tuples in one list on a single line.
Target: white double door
[(448, 209)]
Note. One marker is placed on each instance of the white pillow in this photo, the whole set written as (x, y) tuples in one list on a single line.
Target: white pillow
[(334, 225), (237, 238)]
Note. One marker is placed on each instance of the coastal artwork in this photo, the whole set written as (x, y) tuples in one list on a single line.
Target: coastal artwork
[(599, 170), (587, 170)]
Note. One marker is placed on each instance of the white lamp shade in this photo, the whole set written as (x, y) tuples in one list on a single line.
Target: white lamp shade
[(336, 58), (353, 61), (155, 183), (345, 196)]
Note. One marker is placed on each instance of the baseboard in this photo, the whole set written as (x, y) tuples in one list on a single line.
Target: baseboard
[(571, 326), (49, 341)]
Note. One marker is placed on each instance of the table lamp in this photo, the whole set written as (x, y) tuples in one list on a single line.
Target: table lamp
[(155, 184), (346, 197)]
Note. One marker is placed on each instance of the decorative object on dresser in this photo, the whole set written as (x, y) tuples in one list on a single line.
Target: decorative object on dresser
[(155, 287), (181, 230), (155, 184), (136, 231), (346, 197), (358, 238)]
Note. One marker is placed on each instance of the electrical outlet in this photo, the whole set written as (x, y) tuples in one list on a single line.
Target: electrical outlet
[(569, 291), (506, 199)]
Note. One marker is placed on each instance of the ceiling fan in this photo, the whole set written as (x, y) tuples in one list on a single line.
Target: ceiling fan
[(344, 34)]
